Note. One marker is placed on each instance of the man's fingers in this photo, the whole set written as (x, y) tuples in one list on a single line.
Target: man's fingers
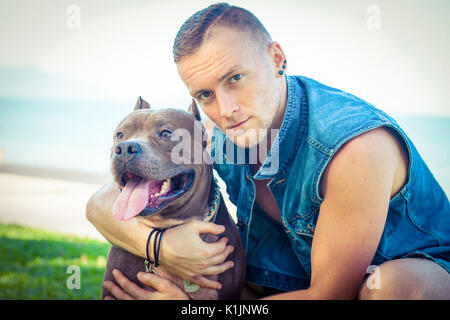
[(165, 289), (152, 280), (209, 227), (215, 248), (220, 258), (116, 291), (218, 268), (130, 287), (206, 283)]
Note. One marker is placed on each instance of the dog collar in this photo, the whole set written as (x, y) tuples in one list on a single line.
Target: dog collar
[(214, 207), (190, 287)]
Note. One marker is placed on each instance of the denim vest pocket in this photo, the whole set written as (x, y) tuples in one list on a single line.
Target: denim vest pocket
[(425, 233), (397, 212), (304, 223), (401, 232), (301, 244)]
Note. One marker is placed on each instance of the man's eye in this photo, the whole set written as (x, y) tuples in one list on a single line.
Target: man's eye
[(235, 78), (205, 95), (166, 134), (119, 135)]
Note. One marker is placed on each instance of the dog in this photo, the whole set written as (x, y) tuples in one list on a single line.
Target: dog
[(167, 194)]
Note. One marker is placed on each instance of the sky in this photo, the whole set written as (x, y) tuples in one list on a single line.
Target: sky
[(394, 54)]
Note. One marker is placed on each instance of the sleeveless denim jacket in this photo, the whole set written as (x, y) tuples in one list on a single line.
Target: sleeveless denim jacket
[(318, 120)]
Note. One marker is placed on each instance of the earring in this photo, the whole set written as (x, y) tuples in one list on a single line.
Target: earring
[(284, 67)]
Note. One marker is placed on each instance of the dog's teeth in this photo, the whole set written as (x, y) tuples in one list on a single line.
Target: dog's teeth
[(164, 189), (165, 186)]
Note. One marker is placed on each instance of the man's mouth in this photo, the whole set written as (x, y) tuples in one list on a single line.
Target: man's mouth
[(239, 124), (145, 197)]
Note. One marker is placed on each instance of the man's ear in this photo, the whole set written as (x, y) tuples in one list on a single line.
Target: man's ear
[(141, 104), (194, 110)]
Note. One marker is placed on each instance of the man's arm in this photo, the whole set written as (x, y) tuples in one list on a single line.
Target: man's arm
[(182, 250), (129, 235), (356, 188)]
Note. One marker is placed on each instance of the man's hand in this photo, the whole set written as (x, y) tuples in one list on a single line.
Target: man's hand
[(185, 254), (164, 289)]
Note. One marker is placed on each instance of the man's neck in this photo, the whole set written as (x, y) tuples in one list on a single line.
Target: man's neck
[(276, 123), (279, 115)]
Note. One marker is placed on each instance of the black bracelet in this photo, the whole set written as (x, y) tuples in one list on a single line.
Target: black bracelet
[(157, 245), (148, 242)]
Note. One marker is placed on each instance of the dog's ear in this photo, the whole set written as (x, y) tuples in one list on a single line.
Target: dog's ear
[(194, 110), (141, 104)]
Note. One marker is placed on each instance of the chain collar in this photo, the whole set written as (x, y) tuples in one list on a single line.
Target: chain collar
[(215, 204)]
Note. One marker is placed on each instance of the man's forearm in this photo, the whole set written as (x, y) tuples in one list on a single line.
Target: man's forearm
[(307, 294), (294, 295), (317, 292), (129, 235), (118, 235)]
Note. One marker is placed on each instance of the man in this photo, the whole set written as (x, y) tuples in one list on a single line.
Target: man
[(349, 189)]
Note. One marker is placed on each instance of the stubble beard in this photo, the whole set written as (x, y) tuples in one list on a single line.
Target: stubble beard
[(254, 137)]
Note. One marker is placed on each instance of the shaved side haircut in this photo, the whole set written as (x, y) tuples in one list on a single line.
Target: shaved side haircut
[(192, 33)]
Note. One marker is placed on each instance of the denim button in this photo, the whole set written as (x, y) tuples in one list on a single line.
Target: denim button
[(239, 225)]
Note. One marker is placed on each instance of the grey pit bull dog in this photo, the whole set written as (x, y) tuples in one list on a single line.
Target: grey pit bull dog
[(167, 194)]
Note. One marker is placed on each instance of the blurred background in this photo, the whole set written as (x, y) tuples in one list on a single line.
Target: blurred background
[(71, 70)]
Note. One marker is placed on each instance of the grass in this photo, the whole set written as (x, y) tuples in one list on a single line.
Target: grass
[(34, 264)]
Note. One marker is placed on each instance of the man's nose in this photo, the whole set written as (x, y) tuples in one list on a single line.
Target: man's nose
[(227, 104)]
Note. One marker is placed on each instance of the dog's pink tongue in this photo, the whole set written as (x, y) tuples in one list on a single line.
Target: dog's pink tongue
[(132, 200)]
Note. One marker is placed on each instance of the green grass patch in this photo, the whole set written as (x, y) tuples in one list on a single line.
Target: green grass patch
[(34, 264)]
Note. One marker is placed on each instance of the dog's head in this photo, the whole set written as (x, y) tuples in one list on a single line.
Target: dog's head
[(155, 160)]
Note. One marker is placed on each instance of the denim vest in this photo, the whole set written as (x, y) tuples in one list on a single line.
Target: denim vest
[(318, 120)]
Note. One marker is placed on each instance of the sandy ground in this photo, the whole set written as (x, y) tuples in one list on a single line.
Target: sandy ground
[(45, 203), (51, 203)]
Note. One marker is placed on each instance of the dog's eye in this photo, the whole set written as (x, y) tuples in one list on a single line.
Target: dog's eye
[(119, 135), (166, 134)]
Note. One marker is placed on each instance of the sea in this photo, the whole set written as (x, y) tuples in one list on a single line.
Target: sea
[(77, 135)]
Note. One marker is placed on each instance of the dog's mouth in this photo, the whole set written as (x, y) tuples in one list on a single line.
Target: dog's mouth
[(145, 197)]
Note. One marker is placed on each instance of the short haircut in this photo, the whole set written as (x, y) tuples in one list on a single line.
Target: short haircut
[(192, 33)]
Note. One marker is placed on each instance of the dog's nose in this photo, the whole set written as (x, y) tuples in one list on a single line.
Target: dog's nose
[(128, 147)]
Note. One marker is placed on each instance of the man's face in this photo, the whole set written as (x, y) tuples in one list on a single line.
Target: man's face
[(235, 80)]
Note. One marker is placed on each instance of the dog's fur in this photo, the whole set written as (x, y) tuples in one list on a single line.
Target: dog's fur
[(154, 162)]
